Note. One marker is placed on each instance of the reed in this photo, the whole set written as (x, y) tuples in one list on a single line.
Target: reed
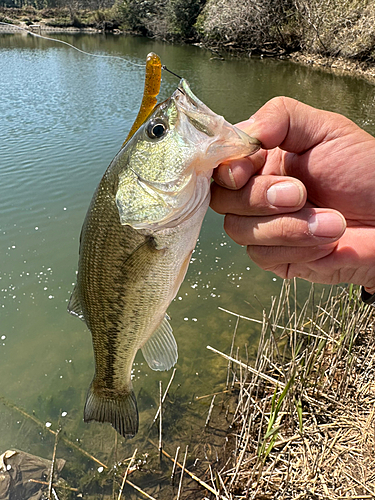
[(305, 413), (50, 484), (182, 474), (126, 474)]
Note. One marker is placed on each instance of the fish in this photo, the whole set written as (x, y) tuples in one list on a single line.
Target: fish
[(136, 243)]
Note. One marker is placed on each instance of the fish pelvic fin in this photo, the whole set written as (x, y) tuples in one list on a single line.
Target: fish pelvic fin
[(160, 351), (120, 411)]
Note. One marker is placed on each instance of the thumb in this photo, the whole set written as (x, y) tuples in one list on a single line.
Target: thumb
[(293, 126)]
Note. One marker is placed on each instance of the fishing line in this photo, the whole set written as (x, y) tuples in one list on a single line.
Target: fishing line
[(73, 47), (83, 51), (171, 72)]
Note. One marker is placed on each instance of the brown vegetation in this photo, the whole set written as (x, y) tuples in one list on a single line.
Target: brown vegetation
[(339, 28), (257, 27), (304, 424), (328, 28)]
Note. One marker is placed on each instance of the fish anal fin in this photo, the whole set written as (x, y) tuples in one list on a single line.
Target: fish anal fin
[(74, 306), (160, 351), (119, 410)]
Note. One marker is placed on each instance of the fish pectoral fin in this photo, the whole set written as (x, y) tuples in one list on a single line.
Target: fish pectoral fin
[(160, 351), (74, 306)]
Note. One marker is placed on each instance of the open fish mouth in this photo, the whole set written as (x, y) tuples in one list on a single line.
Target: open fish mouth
[(178, 147)]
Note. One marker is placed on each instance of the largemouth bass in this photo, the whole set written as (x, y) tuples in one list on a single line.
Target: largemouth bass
[(136, 242)]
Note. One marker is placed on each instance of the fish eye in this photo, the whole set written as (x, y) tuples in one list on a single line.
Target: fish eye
[(156, 129)]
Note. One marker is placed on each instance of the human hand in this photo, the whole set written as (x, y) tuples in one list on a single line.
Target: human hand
[(309, 211)]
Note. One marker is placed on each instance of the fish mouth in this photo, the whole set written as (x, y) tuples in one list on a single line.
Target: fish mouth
[(195, 141), (217, 139)]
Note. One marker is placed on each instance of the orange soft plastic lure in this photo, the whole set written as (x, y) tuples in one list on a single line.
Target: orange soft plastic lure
[(151, 90)]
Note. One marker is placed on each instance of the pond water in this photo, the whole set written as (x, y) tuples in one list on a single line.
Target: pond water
[(63, 117)]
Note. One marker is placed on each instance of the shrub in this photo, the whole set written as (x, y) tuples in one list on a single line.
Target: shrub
[(256, 26), (338, 27), (182, 16), (167, 19), (141, 15)]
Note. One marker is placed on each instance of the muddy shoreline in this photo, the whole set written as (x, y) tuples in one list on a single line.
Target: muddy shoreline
[(338, 65), (43, 29)]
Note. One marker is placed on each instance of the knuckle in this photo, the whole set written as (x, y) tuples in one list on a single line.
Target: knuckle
[(263, 256), (232, 227), (289, 229), (283, 228)]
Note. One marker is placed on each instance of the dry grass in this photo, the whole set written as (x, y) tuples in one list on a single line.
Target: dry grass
[(304, 423), (338, 27)]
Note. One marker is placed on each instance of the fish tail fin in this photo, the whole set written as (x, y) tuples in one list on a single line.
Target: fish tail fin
[(121, 411)]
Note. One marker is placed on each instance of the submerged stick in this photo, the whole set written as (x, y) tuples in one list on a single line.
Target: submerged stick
[(55, 497), (210, 411), (126, 474), (140, 490), (160, 419), (84, 452), (165, 395), (182, 473), (53, 465), (193, 476), (60, 486), (213, 394), (174, 464), (231, 350)]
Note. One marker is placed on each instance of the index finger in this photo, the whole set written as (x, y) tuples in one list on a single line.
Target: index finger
[(294, 126), (281, 124), (288, 129)]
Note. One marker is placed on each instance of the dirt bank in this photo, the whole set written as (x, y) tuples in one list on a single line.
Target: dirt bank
[(338, 65)]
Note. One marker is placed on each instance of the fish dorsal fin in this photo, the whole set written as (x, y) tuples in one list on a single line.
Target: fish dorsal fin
[(160, 351), (74, 306)]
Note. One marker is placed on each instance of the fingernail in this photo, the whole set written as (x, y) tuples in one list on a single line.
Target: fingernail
[(326, 224), (225, 177), (231, 178), (285, 194)]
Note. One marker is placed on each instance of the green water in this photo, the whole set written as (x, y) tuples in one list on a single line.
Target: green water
[(63, 116)]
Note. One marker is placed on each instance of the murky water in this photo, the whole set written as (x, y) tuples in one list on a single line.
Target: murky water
[(63, 116)]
